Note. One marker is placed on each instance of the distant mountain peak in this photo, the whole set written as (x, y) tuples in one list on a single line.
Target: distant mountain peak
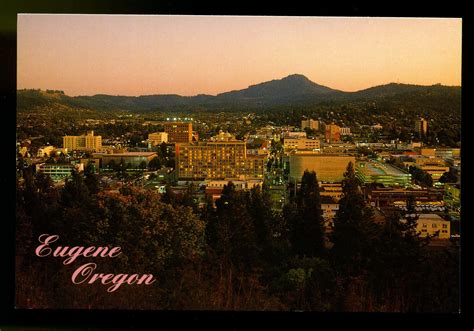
[(292, 85), (294, 89), (296, 77)]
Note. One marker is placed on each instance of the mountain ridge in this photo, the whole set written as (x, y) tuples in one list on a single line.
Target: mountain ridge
[(295, 89)]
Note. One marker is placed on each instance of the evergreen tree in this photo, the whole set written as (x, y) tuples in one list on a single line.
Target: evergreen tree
[(189, 200), (112, 165), (259, 208), (75, 191), (354, 228), (91, 179), (154, 164), (78, 209), (420, 176), (208, 215), (142, 165), (169, 197), (164, 150), (398, 257), (307, 227), (448, 177), (235, 231)]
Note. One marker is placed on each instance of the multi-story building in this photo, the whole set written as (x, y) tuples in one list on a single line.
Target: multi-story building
[(329, 207), (453, 194), (333, 133), (429, 152), (390, 196), (421, 126), (448, 153), (217, 160), (328, 167), (301, 144), (258, 151), (332, 190), (58, 172), (429, 160), (223, 136), (433, 224), (157, 138), (310, 123), (434, 169), (345, 131), (179, 132), (132, 159), (254, 166), (377, 172), (339, 148), (294, 134), (87, 142)]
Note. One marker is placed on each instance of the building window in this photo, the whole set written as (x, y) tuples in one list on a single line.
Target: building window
[(433, 225)]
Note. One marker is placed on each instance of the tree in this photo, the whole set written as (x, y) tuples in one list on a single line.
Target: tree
[(75, 191), (153, 235), (169, 197), (154, 164), (354, 228), (164, 150), (170, 163), (420, 176), (397, 262), (208, 215), (112, 165), (265, 222), (448, 177), (235, 232), (307, 224), (91, 179), (142, 165), (78, 209), (188, 199)]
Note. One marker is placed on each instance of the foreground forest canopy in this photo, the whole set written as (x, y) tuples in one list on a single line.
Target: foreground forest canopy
[(238, 255)]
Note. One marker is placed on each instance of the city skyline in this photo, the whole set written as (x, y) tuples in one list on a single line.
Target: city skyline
[(190, 55)]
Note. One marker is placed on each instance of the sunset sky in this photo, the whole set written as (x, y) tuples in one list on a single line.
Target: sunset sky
[(189, 55)]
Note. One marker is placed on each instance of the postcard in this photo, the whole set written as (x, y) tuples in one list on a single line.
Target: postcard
[(238, 163)]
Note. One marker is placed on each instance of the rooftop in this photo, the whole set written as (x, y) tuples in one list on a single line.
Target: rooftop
[(432, 217), (318, 154), (126, 154), (373, 168)]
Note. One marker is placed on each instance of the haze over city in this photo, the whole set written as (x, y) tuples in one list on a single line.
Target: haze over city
[(189, 55)]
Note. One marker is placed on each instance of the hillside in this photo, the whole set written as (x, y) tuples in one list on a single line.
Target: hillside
[(293, 90)]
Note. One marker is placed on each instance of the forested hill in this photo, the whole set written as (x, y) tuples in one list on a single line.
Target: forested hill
[(294, 90)]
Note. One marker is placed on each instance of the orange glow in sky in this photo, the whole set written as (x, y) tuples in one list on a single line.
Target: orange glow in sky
[(189, 55)]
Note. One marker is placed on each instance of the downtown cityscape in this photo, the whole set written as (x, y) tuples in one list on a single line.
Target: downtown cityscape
[(283, 195)]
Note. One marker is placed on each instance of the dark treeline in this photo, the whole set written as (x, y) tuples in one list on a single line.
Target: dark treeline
[(238, 254)]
